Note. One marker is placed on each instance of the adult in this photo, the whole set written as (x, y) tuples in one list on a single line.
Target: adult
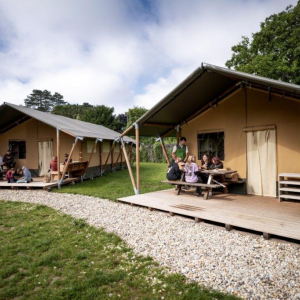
[(66, 159), (191, 173), (53, 163), (27, 176), (216, 163), (180, 150), (174, 172), (8, 160), (206, 162)]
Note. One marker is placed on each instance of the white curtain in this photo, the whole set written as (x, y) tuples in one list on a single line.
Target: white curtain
[(45, 156), (261, 163)]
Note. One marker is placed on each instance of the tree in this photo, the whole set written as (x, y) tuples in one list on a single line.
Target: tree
[(134, 114), (43, 100), (73, 111), (274, 51)]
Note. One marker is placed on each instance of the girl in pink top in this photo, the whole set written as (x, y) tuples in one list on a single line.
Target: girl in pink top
[(191, 171)]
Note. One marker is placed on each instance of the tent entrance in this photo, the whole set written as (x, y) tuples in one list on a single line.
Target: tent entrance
[(261, 163), (45, 149)]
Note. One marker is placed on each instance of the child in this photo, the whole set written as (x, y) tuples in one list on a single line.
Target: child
[(174, 172), (27, 176), (191, 172), (10, 176)]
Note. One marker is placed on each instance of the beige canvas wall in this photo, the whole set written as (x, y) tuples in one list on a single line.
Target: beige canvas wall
[(33, 130), (230, 116)]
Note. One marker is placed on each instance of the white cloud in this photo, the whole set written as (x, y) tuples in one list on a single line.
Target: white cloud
[(117, 53)]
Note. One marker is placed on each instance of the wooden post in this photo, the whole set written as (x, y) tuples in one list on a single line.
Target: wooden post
[(100, 157), (128, 166), (177, 133), (91, 155), (121, 164), (165, 151), (112, 158), (68, 162), (111, 149), (116, 163), (58, 153), (80, 151), (137, 149)]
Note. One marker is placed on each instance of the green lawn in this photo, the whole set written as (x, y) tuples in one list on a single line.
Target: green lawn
[(118, 184), (45, 254)]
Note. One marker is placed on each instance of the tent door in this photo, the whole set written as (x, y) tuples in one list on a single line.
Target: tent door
[(261, 163), (45, 155)]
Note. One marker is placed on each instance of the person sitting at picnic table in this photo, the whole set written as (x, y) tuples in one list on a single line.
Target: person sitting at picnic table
[(180, 150), (8, 160), (53, 164), (206, 162), (216, 163), (191, 172), (27, 176), (10, 176), (174, 172), (66, 159)]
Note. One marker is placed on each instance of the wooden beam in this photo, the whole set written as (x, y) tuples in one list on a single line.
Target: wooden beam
[(177, 134), (80, 151), (16, 123), (137, 155), (58, 153), (128, 166), (100, 157), (68, 161), (112, 158), (116, 163), (91, 155), (127, 130), (165, 151), (109, 153)]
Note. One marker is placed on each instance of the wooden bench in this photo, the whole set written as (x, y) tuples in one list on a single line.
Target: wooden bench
[(76, 169), (208, 187)]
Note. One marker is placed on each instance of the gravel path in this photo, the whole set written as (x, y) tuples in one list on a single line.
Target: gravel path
[(245, 265)]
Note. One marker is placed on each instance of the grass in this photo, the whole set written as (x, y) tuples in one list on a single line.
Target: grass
[(118, 184), (45, 254)]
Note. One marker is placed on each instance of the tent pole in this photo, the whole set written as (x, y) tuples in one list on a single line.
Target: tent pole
[(112, 159), (177, 133), (68, 161), (111, 149), (164, 150), (58, 155), (116, 163), (100, 158), (137, 138), (91, 155), (80, 151), (128, 166)]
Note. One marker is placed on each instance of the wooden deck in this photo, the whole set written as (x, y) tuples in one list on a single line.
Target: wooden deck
[(262, 214), (37, 183)]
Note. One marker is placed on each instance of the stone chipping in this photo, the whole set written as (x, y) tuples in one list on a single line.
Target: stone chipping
[(242, 264)]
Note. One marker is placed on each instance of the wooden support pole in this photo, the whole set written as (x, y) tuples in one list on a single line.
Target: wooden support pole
[(112, 158), (116, 163), (128, 166), (68, 161), (58, 153), (100, 157), (165, 151), (177, 133), (111, 149), (80, 151), (137, 155), (91, 155), (127, 130)]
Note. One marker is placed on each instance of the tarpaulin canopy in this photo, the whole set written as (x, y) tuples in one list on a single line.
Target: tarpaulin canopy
[(203, 89), (13, 115)]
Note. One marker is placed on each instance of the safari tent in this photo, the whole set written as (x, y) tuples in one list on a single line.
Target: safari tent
[(35, 137), (252, 123)]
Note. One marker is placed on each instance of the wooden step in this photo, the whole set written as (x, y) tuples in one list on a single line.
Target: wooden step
[(293, 182), (290, 197), (289, 189)]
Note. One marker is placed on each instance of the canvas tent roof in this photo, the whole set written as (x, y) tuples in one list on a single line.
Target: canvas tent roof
[(203, 89), (12, 115)]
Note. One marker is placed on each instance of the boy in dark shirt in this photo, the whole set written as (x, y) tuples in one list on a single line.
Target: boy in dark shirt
[(174, 172), (8, 160)]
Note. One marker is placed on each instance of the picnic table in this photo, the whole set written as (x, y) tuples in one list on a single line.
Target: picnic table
[(211, 182)]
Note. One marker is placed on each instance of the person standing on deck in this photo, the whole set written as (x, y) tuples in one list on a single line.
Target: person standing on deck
[(180, 150)]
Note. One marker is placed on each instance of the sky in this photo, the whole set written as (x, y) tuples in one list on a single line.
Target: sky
[(119, 53)]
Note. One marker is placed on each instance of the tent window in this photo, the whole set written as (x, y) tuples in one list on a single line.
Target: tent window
[(18, 149), (212, 143)]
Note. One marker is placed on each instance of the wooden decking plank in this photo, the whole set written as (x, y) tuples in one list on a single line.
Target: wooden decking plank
[(275, 224)]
